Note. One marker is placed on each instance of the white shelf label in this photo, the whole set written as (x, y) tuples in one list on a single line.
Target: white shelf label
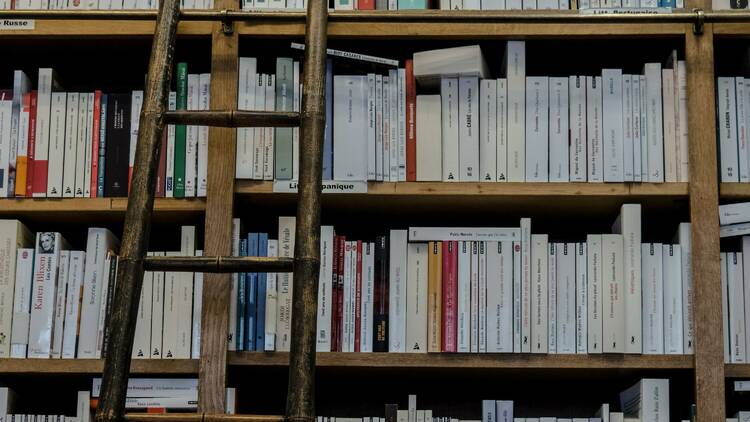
[(17, 24), (329, 186)]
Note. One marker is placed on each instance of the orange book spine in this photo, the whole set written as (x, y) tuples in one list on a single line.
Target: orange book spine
[(22, 160), (434, 296)]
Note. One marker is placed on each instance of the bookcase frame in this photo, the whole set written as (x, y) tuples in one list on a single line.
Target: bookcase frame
[(702, 192)]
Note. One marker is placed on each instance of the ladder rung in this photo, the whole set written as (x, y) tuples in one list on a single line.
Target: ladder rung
[(199, 417), (218, 264), (233, 118)]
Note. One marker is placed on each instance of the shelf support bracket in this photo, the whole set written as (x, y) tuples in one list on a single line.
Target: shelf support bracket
[(700, 19), (226, 22)]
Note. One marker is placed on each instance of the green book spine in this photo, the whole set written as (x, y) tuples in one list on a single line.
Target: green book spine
[(284, 135), (180, 133)]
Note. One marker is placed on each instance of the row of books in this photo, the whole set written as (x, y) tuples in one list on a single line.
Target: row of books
[(59, 144), (9, 407), (735, 268), (436, 289), (169, 394), (610, 128), (62, 298), (646, 401), (733, 123), (98, 4), (461, 4)]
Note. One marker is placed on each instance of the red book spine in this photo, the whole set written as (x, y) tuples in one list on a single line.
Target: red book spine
[(340, 287), (32, 145), (358, 299), (335, 294), (95, 143), (161, 174), (411, 123), (450, 296), (366, 5)]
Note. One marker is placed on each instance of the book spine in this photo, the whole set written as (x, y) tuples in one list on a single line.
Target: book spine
[(434, 296), (103, 328), (46, 265), (71, 142), (488, 130), (502, 130), (450, 293), (729, 158), (340, 287), (346, 342), (46, 86), (269, 134), (117, 151), (450, 129), (682, 120), (283, 154), (59, 304), (668, 118), (539, 286), (637, 129), (397, 291), (612, 141), (482, 296), (19, 333), (58, 111), (246, 101), (271, 300), (328, 135), (371, 122), (180, 132), (420, 284), (411, 123), (723, 258), (96, 124), (537, 129), (378, 127), (558, 130), (526, 290), (31, 146), (191, 136), (613, 324), (393, 137), (381, 305), (284, 285), (468, 138), (627, 127), (368, 292), (654, 110), (387, 128), (463, 308), (517, 314), (260, 302), (552, 297), (349, 161), (515, 58), (594, 128), (296, 104), (673, 327), (357, 305), (401, 121), (142, 337), (251, 296), (581, 299), (232, 322), (135, 113), (101, 172), (566, 294), (22, 155), (73, 304), (241, 299), (653, 298), (204, 85), (261, 158), (629, 224), (594, 293), (157, 313), (474, 298)]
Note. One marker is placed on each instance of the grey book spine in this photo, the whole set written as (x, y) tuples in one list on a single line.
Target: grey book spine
[(381, 4), (283, 161)]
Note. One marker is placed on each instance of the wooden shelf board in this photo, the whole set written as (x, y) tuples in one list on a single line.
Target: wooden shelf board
[(737, 370), (732, 29), (103, 28), (734, 190), (469, 361), (95, 366), (93, 205)]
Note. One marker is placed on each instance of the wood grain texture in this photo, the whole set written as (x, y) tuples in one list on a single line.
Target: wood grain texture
[(219, 213), (465, 360), (734, 190), (234, 118), (98, 29), (90, 367), (737, 370), (218, 264), (93, 205), (704, 202)]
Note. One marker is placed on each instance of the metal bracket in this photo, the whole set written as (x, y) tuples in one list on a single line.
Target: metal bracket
[(226, 23), (700, 19)]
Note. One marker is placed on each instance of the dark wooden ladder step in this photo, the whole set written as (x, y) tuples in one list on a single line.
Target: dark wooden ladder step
[(218, 264), (233, 118)]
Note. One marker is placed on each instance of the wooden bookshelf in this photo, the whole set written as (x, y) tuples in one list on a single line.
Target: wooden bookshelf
[(737, 370), (338, 360), (102, 29), (94, 367), (96, 209), (734, 190)]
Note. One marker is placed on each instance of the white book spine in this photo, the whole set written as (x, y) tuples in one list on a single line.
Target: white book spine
[(537, 129), (142, 337), (191, 138), (502, 130), (169, 165), (482, 295), (723, 258), (61, 291), (45, 87), (653, 298), (284, 285), (539, 286), (594, 295), (72, 304), (416, 298), (197, 308), (636, 131), (614, 304), (101, 324), (136, 103), (393, 145), (612, 142), (379, 127), (204, 100), (577, 121), (246, 101), (559, 132), (260, 158), (397, 292), (670, 135), (157, 313), (729, 156), (526, 290), (628, 224), (581, 299), (515, 58), (683, 168), (58, 112), (387, 128), (271, 300), (517, 314), (673, 299), (429, 149), (500, 297), (349, 132), (346, 322), (169, 341), (468, 94), (488, 130), (71, 142), (644, 128), (464, 297), (269, 140), (566, 298), (88, 149), (654, 126), (81, 144), (688, 319), (371, 128), (683, 237), (325, 290), (594, 130), (552, 298), (22, 303)]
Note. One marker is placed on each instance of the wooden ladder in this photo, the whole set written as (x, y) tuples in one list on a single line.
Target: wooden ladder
[(135, 239)]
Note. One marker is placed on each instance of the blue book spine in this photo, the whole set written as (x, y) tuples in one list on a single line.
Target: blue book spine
[(102, 147), (260, 319), (241, 302), (251, 295), (412, 4), (328, 139)]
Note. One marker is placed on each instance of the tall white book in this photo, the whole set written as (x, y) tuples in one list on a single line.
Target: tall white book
[(736, 305), (501, 158), (204, 100), (653, 298), (673, 331), (397, 291), (539, 331), (350, 131), (416, 298), (246, 101), (612, 142), (500, 297), (488, 130), (526, 289), (171, 314), (683, 239), (552, 297), (566, 298), (429, 148), (142, 337), (271, 300), (195, 336), (482, 296), (284, 284), (745, 264), (728, 144), (578, 126), (46, 86), (683, 168), (517, 318), (648, 400), (99, 244), (614, 304), (371, 125), (449, 132), (71, 143), (57, 123), (61, 288), (637, 129), (628, 224), (468, 133), (515, 74), (559, 133), (537, 129), (13, 237), (368, 296), (654, 119), (48, 246), (723, 259), (627, 127), (325, 289), (670, 135), (581, 299), (184, 299), (594, 129), (594, 296), (474, 295), (73, 304), (24, 274)]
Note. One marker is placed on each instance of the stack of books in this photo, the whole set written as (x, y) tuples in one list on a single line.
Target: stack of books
[(58, 144), (98, 4), (9, 409)]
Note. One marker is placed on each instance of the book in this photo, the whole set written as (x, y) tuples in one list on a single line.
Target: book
[(284, 285), (434, 296), (449, 129), (180, 131), (465, 61), (539, 286), (653, 298), (559, 130), (594, 293), (628, 224), (350, 100), (397, 291), (468, 135), (48, 246), (673, 321), (612, 126), (428, 150), (613, 323), (647, 400), (488, 130), (118, 145), (14, 237), (514, 65), (283, 163), (537, 129), (419, 316)]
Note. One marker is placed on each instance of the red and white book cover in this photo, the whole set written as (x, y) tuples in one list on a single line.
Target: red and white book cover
[(450, 296), (31, 147), (95, 143), (358, 299), (340, 301), (335, 294)]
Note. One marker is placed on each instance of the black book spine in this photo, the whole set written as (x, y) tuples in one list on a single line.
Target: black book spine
[(380, 303), (118, 145), (111, 285)]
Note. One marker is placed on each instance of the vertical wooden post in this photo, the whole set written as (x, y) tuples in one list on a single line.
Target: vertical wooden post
[(704, 215), (137, 225), (219, 213), (300, 404)]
